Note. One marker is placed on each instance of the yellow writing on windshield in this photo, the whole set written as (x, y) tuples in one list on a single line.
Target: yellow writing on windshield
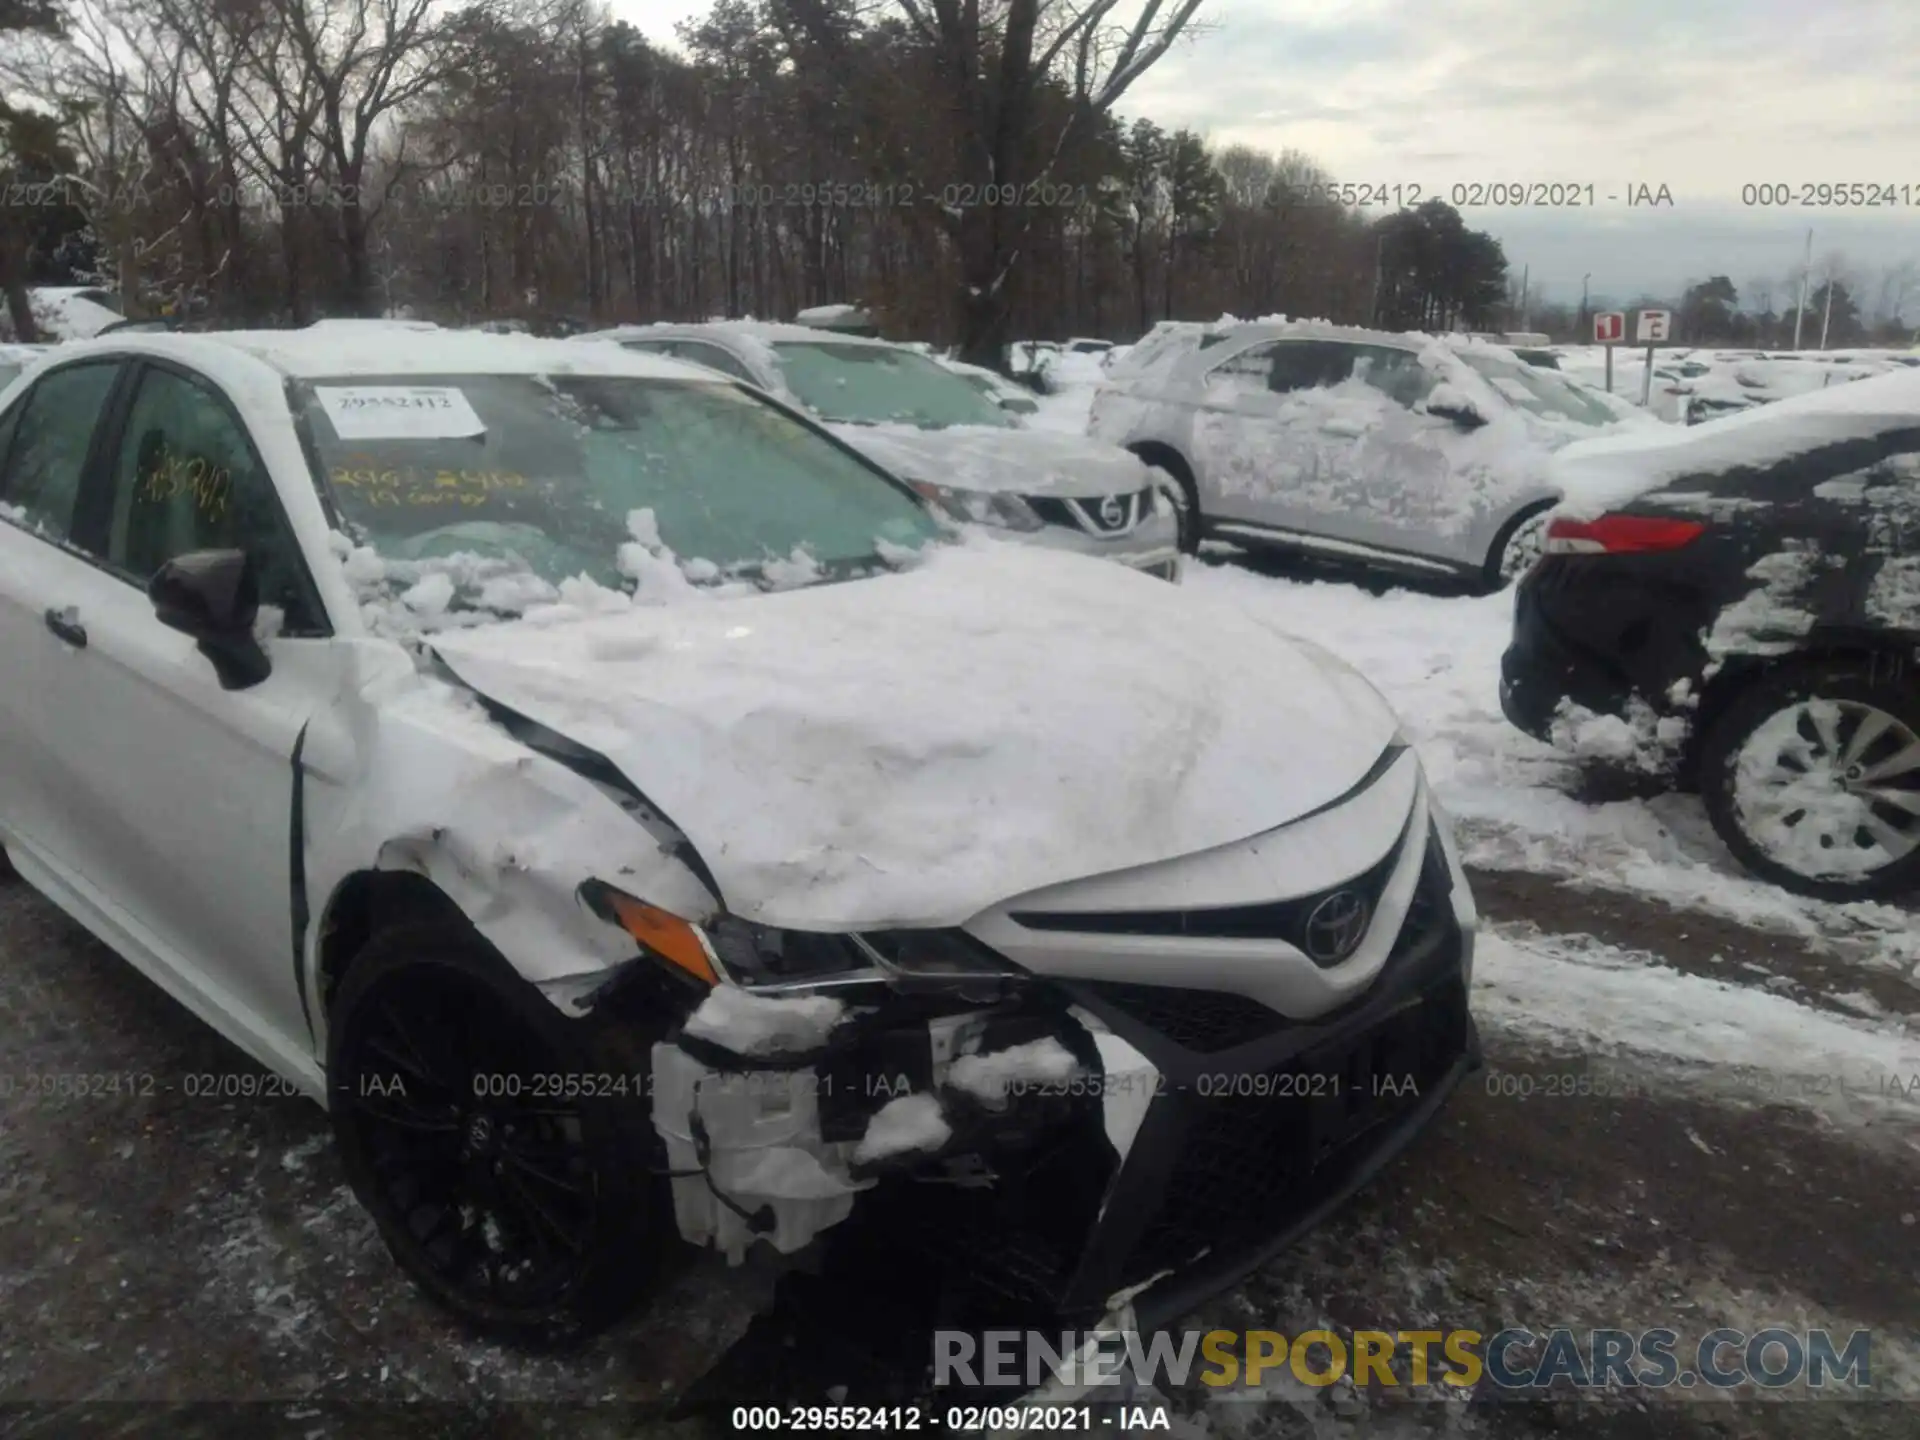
[(412, 485)]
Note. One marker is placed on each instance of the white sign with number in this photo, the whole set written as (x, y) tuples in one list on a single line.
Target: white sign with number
[(1650, 326), (399, 412), (1609, 327)]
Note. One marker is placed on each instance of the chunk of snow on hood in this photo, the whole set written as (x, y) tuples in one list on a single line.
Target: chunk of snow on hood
[(902, 1126), (750, 1024), (995, 1076), (886, 752), (1609, 471), (799, 568), (988, 458)]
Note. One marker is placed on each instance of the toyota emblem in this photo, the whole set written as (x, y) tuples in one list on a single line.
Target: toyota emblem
[(1336, 926), (1113, 511)]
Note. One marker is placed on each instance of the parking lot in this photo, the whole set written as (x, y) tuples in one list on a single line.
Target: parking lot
[(1699, 1109)]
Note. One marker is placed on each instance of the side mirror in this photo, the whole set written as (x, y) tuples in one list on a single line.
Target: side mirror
[(1462, 414), (214, 596)]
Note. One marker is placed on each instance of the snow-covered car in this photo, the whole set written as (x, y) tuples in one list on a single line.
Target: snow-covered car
[(1014, 399), (1733, 385), (640, 823), (945, 436), (1735, 607), (1399, 451)]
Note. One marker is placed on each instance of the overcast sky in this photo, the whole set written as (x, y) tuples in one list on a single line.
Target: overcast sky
[(1701, 96)]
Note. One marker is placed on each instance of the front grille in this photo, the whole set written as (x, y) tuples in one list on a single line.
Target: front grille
[(1203, 1021), (1277, 1141), (1288, 920), (1207, 1022), (1094, 514)]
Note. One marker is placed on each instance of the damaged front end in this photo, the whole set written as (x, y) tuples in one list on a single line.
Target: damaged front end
[(824, 1070), (1031, 1151)]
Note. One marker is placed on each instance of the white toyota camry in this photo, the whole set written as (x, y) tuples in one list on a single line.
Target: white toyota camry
[(639, 822)]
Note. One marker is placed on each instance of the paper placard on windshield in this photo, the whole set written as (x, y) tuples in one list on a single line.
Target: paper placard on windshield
[(399, 412)]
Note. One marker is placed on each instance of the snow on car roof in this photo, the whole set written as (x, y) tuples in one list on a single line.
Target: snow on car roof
[(1172, 342), (1612, 470), (382, 348), (767, 331)]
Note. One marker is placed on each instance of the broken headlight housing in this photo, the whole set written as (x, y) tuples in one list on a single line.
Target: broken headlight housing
[(761, 957)]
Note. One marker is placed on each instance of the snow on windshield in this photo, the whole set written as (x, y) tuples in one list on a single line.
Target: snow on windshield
[(476, 497), (882, 384)]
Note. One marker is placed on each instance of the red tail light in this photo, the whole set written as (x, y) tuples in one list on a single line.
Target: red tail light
[(1620, 535)]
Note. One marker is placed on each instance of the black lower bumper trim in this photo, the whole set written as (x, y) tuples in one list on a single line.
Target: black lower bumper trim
[(1167, 1300)]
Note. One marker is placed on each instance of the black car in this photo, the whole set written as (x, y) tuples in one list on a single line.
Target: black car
[(1753, 613)]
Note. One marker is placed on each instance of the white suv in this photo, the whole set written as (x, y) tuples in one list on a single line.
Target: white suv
[(640, 824), (1405, 452)]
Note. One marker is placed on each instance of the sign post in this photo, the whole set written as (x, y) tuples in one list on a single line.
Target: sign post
[(1649, 329), (1609, 329)]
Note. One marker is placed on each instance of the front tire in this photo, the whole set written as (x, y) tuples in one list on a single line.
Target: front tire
[(1812, 779), (1517, 549), (526, 1210)]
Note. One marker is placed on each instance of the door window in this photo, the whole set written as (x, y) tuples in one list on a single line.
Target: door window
[(1397, 374), (186, 479), (51, 434), (1249, 370), (1311, 364)]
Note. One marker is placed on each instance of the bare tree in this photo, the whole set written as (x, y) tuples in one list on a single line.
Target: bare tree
[(992, 63), (356, 62)]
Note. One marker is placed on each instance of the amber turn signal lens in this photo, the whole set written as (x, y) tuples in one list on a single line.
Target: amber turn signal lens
[(667, 935)]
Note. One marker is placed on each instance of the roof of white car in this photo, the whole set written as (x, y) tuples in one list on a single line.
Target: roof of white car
[(766, 331), (378, 347), (1613, 469)]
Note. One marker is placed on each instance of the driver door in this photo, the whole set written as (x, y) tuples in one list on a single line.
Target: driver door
[(178, 793)]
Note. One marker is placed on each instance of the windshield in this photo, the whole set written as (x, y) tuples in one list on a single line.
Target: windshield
[(1539, 392), (554, 476), (881, 385)]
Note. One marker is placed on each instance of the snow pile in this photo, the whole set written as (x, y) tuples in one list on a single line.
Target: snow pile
[(1608, 471), (1737, 1040), (1641, 740), (901, 1127), (994, 1077), (402, 599), (750, 1024)]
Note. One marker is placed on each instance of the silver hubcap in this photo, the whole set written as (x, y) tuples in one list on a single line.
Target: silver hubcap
[(1830, 788), (1524, 547)]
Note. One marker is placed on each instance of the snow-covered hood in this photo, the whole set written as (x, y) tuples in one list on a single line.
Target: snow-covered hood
[(911, 749), (985, 457)]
